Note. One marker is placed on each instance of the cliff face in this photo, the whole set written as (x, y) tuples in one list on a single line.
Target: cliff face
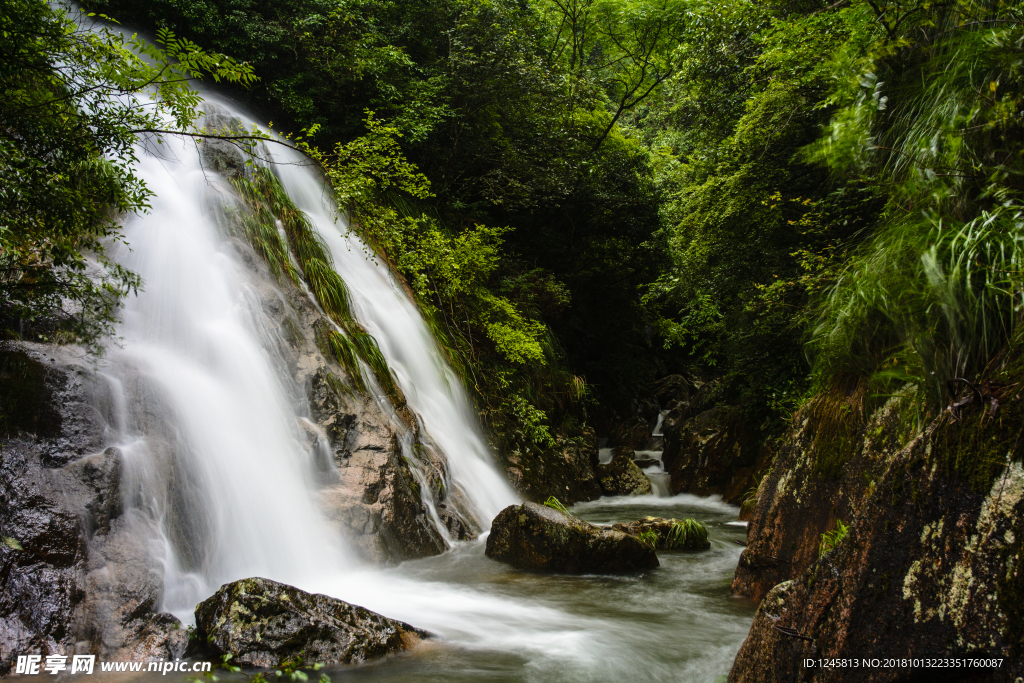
[(931, 565)]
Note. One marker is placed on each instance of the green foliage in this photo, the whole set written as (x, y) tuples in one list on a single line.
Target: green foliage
[(934, 122), (555, 504), (648, 538), (687, 534), (830, 539), (74, 102)]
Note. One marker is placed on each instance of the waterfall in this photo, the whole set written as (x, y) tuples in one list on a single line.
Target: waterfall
[(208, 402), (432, 390)]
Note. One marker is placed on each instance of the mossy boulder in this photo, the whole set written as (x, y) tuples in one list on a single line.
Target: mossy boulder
[(264, 623), (537, 538), (622, 477)]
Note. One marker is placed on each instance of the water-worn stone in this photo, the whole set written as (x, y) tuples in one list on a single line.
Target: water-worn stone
[(264, 623), (662, 529), (537, 538), (622, 477), (223, 156)]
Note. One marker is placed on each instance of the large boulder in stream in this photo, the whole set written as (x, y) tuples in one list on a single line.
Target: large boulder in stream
[(264, 623), (622, 477), (537, 538)]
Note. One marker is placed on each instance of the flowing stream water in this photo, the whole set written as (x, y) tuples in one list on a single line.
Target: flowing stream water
[(201, 390)]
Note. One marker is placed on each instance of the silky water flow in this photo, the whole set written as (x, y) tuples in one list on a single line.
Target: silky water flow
[(203, 398)]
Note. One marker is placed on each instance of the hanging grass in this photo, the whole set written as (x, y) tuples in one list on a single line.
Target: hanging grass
[(370, 353), (556, 504), (687, 534), (268, 203)]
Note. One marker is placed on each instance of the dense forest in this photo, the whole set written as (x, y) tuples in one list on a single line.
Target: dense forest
[(788, 198), (804, 208)]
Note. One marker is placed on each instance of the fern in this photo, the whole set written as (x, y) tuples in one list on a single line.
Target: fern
[(830, 539)]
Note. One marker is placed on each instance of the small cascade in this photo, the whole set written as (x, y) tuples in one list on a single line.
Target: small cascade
[(650, 459)]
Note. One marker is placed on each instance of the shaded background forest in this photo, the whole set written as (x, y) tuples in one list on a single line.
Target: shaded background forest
[(778, 200)]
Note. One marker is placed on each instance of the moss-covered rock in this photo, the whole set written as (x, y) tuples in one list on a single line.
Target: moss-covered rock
[(537, 538), (622, 477), (566, 471), (264, 623), (669, 534)]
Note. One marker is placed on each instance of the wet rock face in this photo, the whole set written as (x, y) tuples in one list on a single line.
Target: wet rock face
[(263, 623), (374, 498), (537, 538), (42, 544), (932, 565), (223, 156), (65, 582), (566, 472), (710, 453), (622, 477), (797, 501)]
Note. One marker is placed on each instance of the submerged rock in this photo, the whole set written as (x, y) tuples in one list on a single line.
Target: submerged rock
[(537, 538), (264, 623), (668, 535), (622, 477)]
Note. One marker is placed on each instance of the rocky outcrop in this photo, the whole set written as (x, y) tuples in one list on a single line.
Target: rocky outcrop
[(670, 534), (366, 450), (225, 157), (713, 452), (264, 623), (622, 477), (821, 474), (537, 538), (566, 472), (932, 564), (71, 577)]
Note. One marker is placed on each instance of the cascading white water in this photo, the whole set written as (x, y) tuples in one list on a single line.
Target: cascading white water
[(433, 391), (196, 339)]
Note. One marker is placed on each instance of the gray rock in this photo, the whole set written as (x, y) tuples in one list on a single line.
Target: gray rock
[(537, 538), (264, 623), (622, 477), (223, 156)]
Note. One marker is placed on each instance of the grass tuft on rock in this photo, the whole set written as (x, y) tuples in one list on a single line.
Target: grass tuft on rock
[(556, 504), (687, 534)]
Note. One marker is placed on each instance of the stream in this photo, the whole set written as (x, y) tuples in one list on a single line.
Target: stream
[(676, 623)]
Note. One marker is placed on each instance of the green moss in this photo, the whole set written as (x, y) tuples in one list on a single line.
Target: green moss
[(977, 446)]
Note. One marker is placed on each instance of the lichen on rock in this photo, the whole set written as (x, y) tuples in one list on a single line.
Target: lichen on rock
[(263, 623)]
